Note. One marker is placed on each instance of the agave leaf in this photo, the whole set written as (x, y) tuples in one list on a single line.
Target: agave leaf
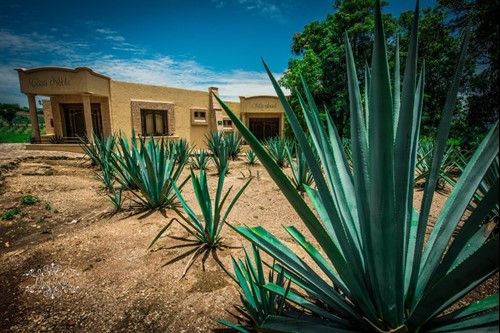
[(476, 323), (162, 231), (302, 302), (469, 229), (368, 79), (430, 185), (302, 209), (484, 305), (281, 324), (381, 167), (318, 258), (397, 75), (456, 205), (450, 288), (271, 245), (234, 326)]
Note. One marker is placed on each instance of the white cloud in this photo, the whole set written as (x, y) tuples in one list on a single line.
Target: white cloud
[(263, 7), (35, 43), (187, 74), (25, 50)]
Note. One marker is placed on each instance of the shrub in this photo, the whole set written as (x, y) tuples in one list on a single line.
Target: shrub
[(9, 214), (377, 274), (29, 200)]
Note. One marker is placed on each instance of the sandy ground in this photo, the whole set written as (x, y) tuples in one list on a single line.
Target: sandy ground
[(113, 283)]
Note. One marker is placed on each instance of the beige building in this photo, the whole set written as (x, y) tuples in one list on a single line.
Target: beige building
[(81, 101)]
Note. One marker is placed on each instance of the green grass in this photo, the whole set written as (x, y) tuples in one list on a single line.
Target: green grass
[(16, 134), (11, 135)]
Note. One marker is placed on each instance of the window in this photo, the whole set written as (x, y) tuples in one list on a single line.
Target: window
[(227, 123), (154, 122), (199, 117)]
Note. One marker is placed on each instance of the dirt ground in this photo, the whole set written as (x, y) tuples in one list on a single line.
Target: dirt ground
[(113, 283)]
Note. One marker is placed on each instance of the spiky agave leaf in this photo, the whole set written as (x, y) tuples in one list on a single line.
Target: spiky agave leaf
[(381, 275)]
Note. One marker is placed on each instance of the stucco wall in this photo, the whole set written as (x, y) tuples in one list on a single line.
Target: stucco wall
[(123, 93)]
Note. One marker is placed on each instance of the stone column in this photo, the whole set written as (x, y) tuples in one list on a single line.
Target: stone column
[(87, 113), (35, 127)]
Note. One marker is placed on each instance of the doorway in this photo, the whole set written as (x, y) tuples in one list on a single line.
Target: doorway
[(264, 128), (74, 120)]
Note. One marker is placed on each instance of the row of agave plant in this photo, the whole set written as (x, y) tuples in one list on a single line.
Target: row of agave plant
[(145, 168), (375, 267), (148, 168)]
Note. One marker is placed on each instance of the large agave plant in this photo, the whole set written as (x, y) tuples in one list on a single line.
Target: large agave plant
[(374, 270)]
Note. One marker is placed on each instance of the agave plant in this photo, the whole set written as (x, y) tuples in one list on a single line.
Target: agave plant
[(258, 302), (489, 181), (425, 150), (374, 269), (181, 150), (207, 227), (200, 159), (233, 142), (214, 142), (150, 169), (101, 152), (221, 151), (301, 175), (277, 148), (251, 157), (222, 158)]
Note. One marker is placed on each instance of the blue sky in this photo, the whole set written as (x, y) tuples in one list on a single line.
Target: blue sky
[(189, 44)]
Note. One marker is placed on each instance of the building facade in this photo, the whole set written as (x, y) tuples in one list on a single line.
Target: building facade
[(80, 101)]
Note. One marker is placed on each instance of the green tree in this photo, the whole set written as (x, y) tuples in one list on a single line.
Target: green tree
[(9, 111), (321, 53), (482, 89), (438, 47)]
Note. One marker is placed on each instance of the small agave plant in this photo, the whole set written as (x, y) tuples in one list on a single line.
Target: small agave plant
[(374, 269), (205, 228)]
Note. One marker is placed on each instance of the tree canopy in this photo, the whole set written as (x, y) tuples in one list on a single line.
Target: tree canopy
[(9, 111), (319, 57)]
